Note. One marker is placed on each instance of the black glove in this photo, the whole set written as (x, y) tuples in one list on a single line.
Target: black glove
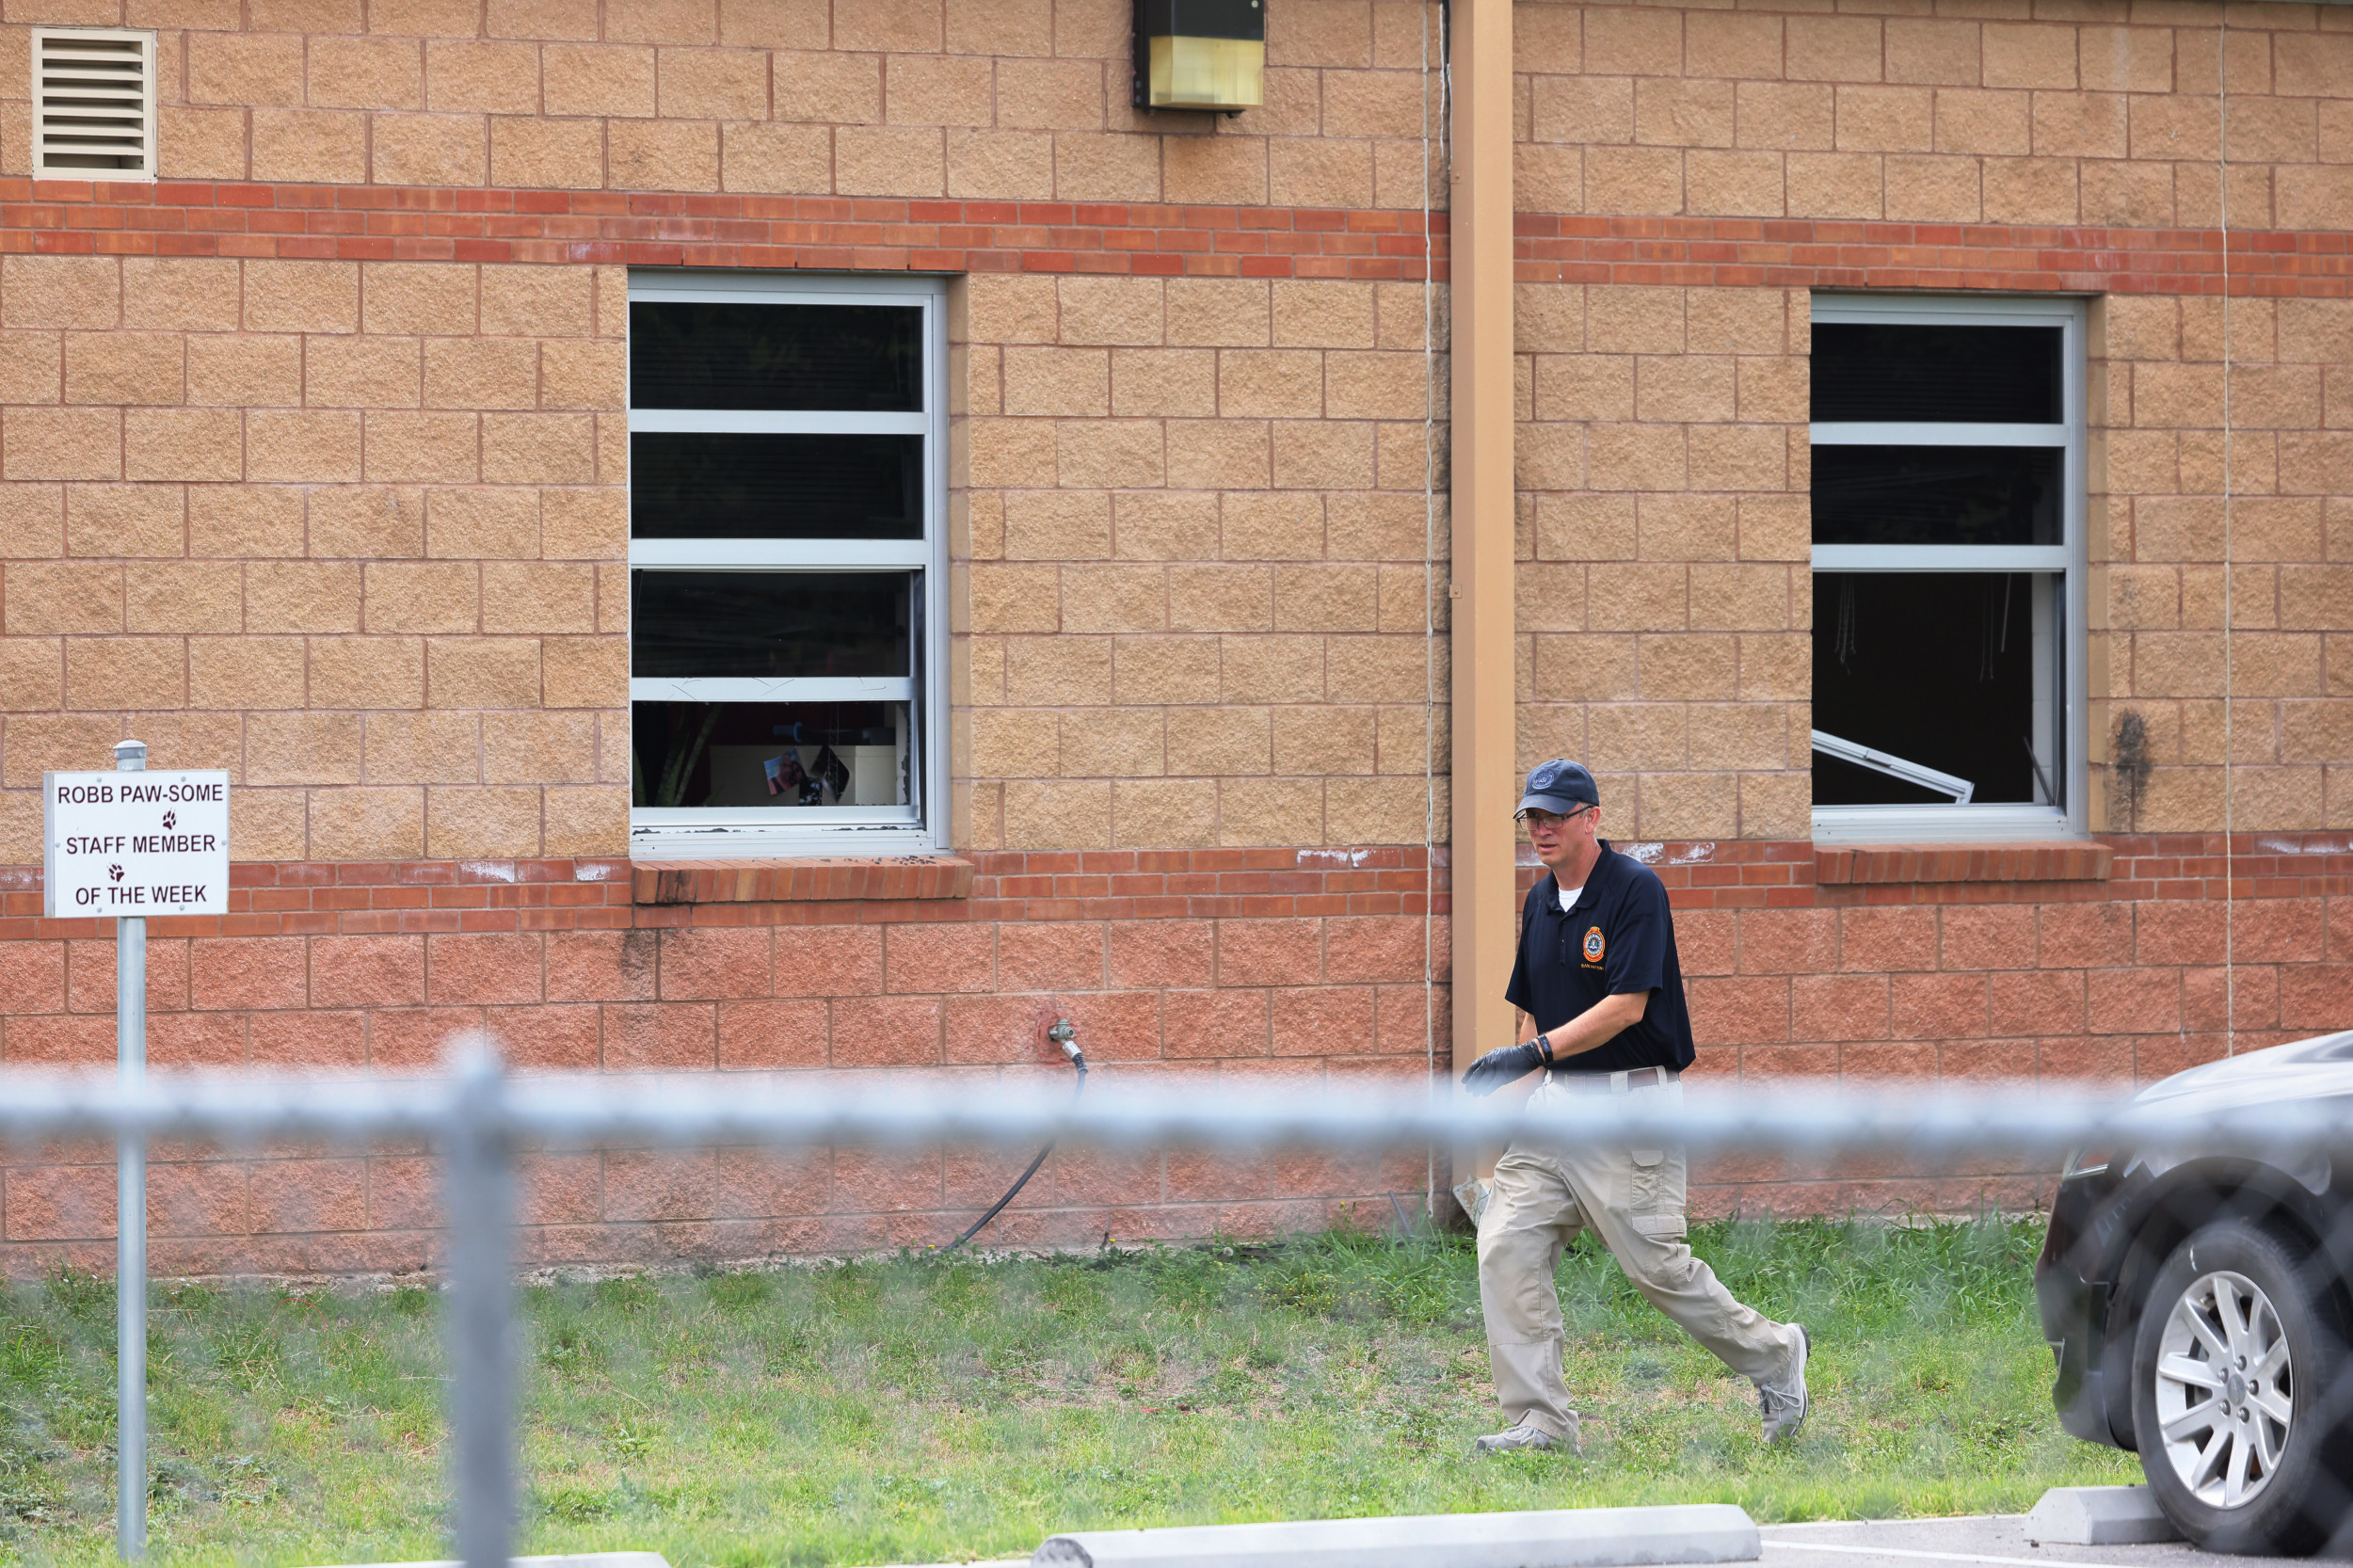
[(1502, 1064)]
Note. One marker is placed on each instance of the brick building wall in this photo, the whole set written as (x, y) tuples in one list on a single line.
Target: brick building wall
[(358, 568), (2103, 967), (312, 463)]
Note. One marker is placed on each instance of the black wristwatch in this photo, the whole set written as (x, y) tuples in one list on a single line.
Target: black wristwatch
[(1543, 1043)]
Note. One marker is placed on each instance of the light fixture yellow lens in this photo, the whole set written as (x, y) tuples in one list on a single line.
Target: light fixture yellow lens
[(1208, 72)]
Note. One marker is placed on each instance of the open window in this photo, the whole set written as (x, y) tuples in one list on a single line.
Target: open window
[(1947, 491), (786, 451)]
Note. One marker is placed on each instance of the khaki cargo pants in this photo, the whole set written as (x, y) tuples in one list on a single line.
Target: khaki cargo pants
[(1542, 1195)]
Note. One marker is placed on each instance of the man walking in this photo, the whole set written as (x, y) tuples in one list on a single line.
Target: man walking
[(1602, 994)]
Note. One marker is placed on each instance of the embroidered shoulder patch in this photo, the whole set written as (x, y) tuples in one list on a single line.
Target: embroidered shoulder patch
[(1592, 945)]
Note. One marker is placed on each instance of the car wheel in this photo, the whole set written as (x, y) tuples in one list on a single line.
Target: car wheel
[(2235, 1405)]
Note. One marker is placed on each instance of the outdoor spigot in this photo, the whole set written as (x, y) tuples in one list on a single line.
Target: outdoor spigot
[(1064, 1036)]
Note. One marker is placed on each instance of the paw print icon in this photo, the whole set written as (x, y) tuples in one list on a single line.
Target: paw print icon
[(114, 874), (171, 820)]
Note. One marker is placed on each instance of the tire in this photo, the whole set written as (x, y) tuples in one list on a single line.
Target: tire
[(2272, 1480)]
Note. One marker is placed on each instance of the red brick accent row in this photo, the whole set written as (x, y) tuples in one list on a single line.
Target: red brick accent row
[(422, 897), (1746, 873), (1196, 995), (2150, 866), (1783, 873), (365, 897), (177, 218), (2072, 862), (2039, 988), (1824, 253), (894, 877), (421, 223), (1205, 883)]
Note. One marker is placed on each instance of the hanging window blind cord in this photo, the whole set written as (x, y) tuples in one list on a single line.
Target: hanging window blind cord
[(1429, 594), (2230, 868)]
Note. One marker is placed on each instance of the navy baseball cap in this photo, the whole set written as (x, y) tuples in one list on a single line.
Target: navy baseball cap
[(1558, 786)]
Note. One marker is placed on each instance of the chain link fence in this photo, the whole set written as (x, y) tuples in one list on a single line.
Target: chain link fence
[(2194, 1282)]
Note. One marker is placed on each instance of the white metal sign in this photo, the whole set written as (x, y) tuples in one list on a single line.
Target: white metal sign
[(135, 843)]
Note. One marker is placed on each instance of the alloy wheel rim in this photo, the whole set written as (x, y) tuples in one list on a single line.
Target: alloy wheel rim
[(2226, 1390)]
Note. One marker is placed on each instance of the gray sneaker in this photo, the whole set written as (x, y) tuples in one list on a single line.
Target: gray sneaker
[(1525, 1435), (1783, 1405)]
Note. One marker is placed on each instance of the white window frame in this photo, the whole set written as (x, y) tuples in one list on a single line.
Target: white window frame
[(2065, 561), (747, 832)]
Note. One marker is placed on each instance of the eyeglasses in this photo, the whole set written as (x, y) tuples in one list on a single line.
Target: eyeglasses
[(1536, 816)]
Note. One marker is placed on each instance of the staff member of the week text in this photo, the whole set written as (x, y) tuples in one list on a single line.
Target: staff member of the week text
[(1601, 997)]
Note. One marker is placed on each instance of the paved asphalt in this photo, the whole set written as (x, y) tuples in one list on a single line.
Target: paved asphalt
[(1977, 1541), (1999, 1539)]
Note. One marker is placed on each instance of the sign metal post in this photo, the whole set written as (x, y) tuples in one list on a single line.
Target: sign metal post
[(130, 1225), (119, 848)]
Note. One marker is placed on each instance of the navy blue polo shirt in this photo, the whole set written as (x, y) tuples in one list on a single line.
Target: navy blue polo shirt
[(1619, 938)]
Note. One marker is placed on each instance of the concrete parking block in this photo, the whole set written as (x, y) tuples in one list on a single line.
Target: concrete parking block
[(1564, 1538), (2099, 1516)]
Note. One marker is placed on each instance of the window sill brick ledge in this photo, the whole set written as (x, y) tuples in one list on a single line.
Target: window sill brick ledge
[(892, 878), (2044, 862)]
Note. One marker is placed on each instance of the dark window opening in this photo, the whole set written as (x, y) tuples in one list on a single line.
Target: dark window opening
[(1938, 375), (863, 357), (707, 486), (1939, 669), (1979, 495), (768, 754), (770, 624)]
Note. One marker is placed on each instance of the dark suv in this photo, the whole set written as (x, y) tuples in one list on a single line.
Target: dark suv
[(2196, 1294)]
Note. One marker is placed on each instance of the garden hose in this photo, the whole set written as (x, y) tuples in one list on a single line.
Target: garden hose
[(1067, 1038)]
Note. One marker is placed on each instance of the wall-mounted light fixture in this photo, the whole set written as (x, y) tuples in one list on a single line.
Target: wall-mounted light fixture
[(1201, 54)]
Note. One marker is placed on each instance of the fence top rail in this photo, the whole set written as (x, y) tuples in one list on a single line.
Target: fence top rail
[(1797, 1117)]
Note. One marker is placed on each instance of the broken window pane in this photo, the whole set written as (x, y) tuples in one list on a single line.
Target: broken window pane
[(770, 755), (1938, 375), (1937, 494), (1952, 671)]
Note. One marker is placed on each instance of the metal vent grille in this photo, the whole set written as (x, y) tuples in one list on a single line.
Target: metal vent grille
[(94, 103)]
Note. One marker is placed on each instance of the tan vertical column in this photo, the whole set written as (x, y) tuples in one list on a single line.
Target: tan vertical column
[(1480, 257)]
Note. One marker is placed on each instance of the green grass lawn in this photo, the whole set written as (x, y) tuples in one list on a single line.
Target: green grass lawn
[(929, 1408)]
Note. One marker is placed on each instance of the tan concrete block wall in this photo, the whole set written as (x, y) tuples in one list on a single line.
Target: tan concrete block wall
[(2009, 114), (2174, 498), (1997, 116), (334, 516), (334, 526), (996, 100), (1192, 561), (1664, 608)]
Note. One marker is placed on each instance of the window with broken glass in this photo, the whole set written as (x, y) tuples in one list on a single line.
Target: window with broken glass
[(785, 498), (1947, 500)]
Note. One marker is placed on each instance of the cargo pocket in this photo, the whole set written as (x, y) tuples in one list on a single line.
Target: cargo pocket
[(1656, 1209)]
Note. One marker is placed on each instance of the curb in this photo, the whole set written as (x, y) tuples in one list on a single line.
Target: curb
[(1565, 1538), (2099, 1516), (574, 1559)]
